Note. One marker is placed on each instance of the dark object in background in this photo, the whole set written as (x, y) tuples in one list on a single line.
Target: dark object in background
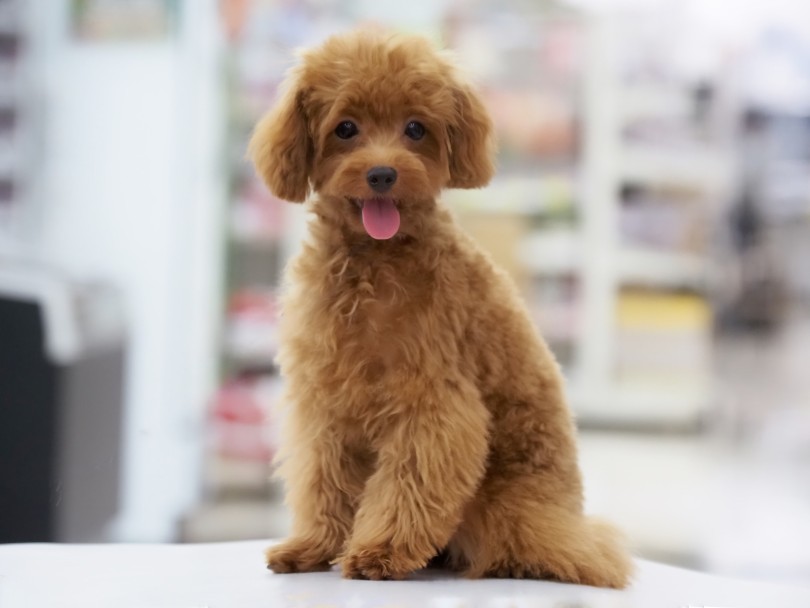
[(747, 224), (760, 303), (61, 379)]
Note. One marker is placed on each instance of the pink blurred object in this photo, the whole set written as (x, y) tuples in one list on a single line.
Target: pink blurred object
[(239, 422), (257, 215), (251, 330)]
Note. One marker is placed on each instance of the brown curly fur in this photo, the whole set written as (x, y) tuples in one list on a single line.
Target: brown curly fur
[(425, 414)]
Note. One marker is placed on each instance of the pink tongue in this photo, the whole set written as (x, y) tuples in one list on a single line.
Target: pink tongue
[(380, 218)]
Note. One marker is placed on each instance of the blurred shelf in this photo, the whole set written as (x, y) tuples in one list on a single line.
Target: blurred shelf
[(256, 226), (250, 357), (559, 252), (700, 167), (654, 268), (551, 252), (252, 344), (236, 520), (249, 365), (651, 101), (231, 476), (524, 195), (673, 407)]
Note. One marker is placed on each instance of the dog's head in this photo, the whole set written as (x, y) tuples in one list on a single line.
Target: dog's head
[(377, 125)]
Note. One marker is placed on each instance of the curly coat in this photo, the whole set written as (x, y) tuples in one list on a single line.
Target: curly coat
[(425, 416)]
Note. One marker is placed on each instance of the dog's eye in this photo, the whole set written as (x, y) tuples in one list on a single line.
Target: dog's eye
[(346, 130), (415, 130)]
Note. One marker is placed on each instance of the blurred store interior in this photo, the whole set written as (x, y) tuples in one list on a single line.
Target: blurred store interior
[(652, 202)]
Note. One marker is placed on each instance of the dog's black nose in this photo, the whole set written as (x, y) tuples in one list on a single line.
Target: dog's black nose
[(381, 178)]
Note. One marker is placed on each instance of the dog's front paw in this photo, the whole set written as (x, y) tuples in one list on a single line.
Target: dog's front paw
[(297, 555), (376, 563)]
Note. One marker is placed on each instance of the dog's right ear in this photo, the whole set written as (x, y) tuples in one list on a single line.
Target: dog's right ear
[(281, 148)]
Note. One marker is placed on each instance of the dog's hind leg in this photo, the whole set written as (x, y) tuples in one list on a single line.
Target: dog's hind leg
[(510, 534)]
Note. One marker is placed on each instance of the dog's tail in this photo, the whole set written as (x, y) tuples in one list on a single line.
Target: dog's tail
[(612, 548)]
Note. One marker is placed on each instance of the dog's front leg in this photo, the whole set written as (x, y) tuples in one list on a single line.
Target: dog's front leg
[(323, 482), (429, 466)]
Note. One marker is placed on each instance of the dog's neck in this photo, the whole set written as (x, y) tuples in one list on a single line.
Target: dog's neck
[(359, 245)]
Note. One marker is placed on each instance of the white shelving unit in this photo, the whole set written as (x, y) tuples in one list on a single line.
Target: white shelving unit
[(593, 251)]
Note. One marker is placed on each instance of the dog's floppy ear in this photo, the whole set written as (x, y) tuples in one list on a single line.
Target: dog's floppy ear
[(281, 148), (472, 141)]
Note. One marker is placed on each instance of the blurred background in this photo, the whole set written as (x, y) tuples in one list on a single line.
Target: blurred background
[(652, 202)]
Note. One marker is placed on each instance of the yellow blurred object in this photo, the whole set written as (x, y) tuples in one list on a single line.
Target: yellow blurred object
[(662, 339), (651, 310), (499, 235)]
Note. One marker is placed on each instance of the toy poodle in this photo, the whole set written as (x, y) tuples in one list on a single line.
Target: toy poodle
[(425, 419)]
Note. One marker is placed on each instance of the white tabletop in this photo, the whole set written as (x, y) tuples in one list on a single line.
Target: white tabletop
[(233, 574)]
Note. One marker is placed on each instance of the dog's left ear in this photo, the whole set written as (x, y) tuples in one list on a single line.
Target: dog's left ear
[(472, 141), (281, 148)]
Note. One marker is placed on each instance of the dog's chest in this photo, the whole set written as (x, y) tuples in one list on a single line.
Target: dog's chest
[(378, 305), (376, 311)]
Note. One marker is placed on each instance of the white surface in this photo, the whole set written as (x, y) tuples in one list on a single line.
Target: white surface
[(233, 574)]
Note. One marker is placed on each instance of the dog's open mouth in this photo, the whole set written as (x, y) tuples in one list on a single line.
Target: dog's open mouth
[(380, 217)]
